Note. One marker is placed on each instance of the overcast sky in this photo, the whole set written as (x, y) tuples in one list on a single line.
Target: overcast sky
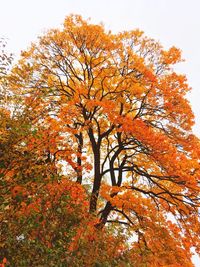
[(172, 22)]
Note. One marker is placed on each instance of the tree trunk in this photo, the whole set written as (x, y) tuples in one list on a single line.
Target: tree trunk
[(79, 160), (104, 215), (97, 180)]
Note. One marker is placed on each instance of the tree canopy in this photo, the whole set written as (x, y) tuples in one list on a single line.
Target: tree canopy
[(97, 153)]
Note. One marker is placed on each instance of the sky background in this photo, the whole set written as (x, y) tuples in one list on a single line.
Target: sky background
[(172, 22)]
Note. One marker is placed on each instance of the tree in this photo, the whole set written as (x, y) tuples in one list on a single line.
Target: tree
[(44, 216), (110, 111)]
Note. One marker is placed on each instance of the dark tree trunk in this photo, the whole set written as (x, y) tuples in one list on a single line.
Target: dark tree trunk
[(104, 215), (79, 160), (97, 180)]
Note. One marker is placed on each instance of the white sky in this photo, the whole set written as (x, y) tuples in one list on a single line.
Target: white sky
[(172, 22)]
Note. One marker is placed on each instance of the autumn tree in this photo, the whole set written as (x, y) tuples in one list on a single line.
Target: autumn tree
[(110, 111)]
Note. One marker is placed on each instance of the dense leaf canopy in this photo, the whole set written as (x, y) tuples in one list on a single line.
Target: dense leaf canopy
[(96, 141)]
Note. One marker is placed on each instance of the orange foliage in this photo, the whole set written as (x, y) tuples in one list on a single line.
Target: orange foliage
[(109, 111)]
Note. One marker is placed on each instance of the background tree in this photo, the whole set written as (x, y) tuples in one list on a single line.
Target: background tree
[(111, 109)]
